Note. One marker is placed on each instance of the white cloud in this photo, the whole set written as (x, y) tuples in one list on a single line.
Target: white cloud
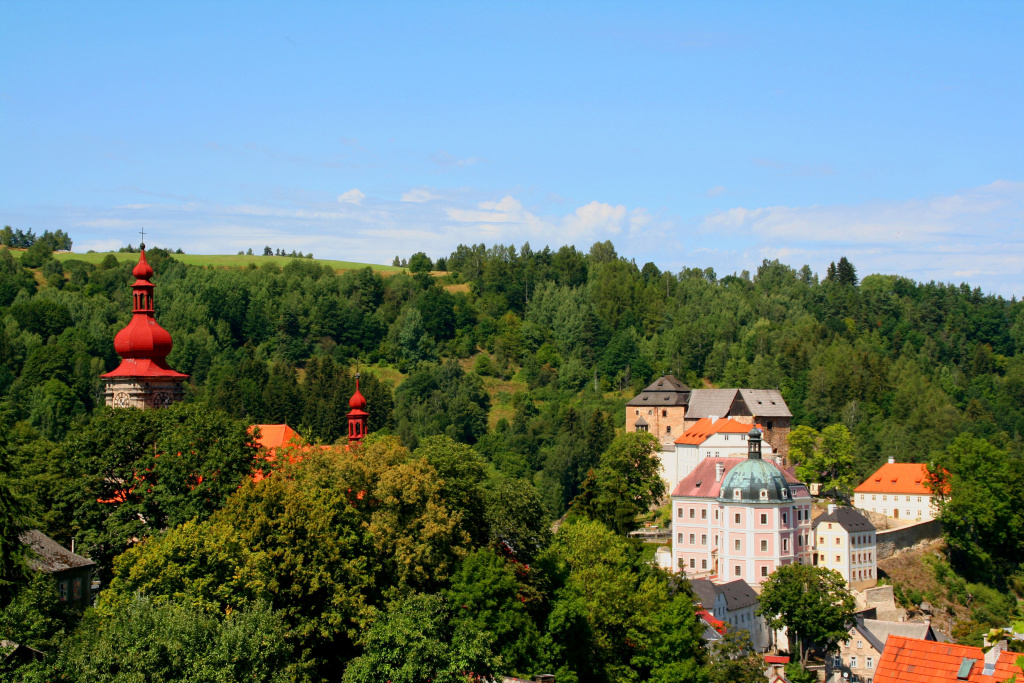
[(595, 217), (419, 195), (353, 196)]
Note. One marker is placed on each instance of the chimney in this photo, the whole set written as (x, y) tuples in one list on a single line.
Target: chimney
[(719, 471), (831, 508), (892, 460), (992, 656)]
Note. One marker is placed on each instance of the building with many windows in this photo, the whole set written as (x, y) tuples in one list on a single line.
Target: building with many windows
[(898, 490), (710, 437), (740, 518), (845, 541)]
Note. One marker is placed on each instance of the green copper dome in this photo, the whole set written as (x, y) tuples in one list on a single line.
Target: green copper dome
[(757, 482), (754, 480)]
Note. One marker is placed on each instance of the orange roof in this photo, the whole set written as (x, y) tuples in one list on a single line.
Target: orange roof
[(897, 477), (910, 660), (272, 436), (704, 427)]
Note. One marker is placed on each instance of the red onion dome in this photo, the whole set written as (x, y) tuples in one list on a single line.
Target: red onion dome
[(143, 338), (142, 270), (357, 402)]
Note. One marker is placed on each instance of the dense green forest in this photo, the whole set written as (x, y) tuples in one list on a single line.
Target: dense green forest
[(551, 342)]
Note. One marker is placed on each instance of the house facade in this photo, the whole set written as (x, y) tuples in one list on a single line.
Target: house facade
[(72, 573), (734, 603), (845, 541), (710, 437), (898, 490), (736, 518), (859, 656)]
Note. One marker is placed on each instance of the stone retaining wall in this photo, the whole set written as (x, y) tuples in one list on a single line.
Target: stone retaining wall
[(892, 540)]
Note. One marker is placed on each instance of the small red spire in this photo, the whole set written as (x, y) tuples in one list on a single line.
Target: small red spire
[(357, 417)]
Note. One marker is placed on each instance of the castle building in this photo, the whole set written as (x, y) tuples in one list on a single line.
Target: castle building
[(667, 408), (143, 379), (740, 518), (708, 437), (898, 490)]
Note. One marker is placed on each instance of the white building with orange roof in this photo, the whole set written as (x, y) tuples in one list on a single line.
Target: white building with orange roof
[(898, 490), (709, 437)]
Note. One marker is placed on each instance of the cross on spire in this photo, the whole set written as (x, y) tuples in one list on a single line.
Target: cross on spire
[(142, 244)]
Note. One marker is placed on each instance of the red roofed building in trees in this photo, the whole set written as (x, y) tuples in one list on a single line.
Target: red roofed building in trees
[(143, 379), (901, 490)]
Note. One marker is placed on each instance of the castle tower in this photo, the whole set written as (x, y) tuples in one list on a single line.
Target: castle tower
[(357, 417), (143, 379)]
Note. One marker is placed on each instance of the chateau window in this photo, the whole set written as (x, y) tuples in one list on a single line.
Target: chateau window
[(691, 539), (908, 514), (785, 518), (738, 544), (679, 512), (736, 494), (668, 429), (764, 494), (785, 545), (716, 514), (885, 498), (703, 564), (692, 513), (764, 571), (704, 513), (770, 425), (764, 518), (871, 662), (874, 497), (679, 539), (693, 563), (737, 515), (726, 437), (919, 499), (853, 662), (703, 539), (716, 540), (838, 559), (664, 413), (764, 546), (739, 570)]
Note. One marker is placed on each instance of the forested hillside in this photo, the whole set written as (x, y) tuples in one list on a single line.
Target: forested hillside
[(523, 357)]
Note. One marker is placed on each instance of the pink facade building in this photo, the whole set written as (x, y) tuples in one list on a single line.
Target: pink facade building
[(740, 518)]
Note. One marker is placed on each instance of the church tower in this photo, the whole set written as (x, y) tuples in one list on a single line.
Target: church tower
[(357, 417), (143, 379)]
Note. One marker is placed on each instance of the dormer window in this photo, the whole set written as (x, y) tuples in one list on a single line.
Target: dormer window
[(736, 494), (764, 494)]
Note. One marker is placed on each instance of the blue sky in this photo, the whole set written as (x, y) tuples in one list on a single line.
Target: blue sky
[(690, 134)]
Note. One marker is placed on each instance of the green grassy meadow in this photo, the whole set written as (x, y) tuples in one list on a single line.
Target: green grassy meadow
[(219, 260)]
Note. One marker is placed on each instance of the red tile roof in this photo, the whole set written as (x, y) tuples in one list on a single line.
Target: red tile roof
[(704, 428), (700, 483), (272, 436), (711, 621), (897, 477), (909, 660)]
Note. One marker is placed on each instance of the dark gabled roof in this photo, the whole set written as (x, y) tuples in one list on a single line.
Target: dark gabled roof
[(708, 402), (738, 594), (848, 518), (666, 391), (705, 592), (877, 632), (49, 556), (640, 422), (765, 403)]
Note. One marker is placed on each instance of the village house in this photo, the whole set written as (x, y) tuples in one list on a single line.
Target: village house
[(845, 541), (897, 490), (859, 656), (913, 660), (72, 573), (736, 518), (734, 603), (668, 407)]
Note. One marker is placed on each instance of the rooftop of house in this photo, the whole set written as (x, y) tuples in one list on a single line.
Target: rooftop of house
[(700, 483), (708, 402), (877, 632), (849, 519), (765, 403), (273, 436), (707, 427), (898, 477), (50, 556), (911, 660), (666, 391), (738, 594), (705, 591)]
